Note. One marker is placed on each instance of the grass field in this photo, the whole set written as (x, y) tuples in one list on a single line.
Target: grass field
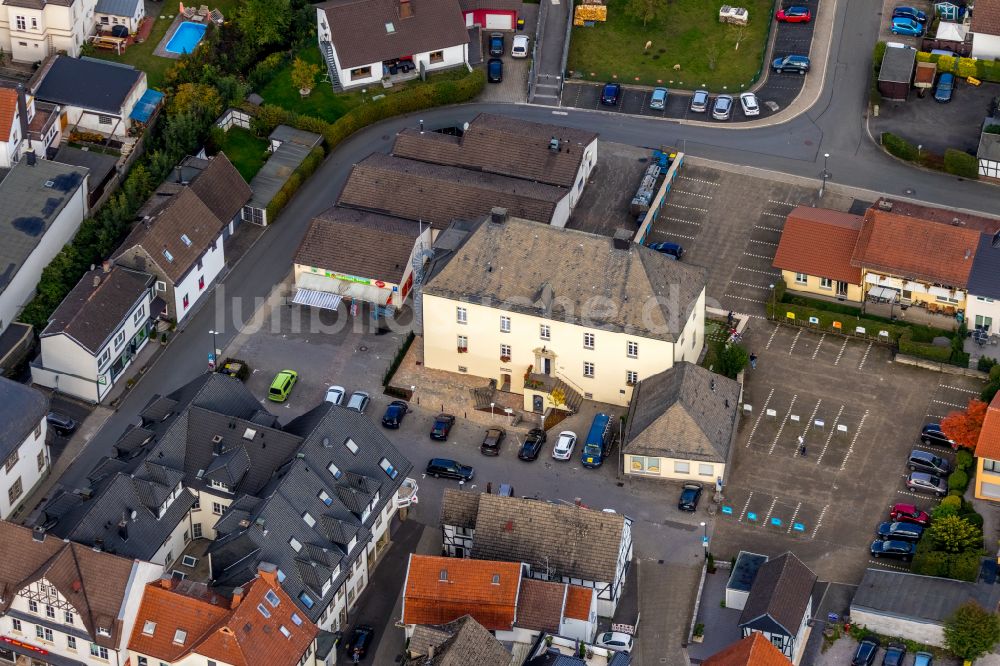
[(246, 151), (322, 102), (687, 34)]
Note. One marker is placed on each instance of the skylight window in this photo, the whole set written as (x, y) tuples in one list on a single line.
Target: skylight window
[(309, 520), (263, 610), (306, 600), (388, 468), (166, 253), (296, 619), (186, 240), (272, 598), (324, 497), (180, 636), (148, 627), (295, 544), (351, 446), (389, 27), (249, 433), (335, 471), (284, 631)]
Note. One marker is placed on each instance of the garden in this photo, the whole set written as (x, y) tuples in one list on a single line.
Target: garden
[(676, 43)]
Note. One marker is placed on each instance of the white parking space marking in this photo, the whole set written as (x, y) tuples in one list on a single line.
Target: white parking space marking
[(833, 429), (679, 220), (758, 256), (752, 286), (782, 203), (761, 226), (865, 357), (795, 514), (857, 433), (912, 494), (777, 435), (755, 270), (819, 521), (759, 417), (775, 215), (880, 563), (794, 342), (767, 518), (959, 388), (674, 233), (677, 205), (810, 423), (841, 352), (770, 340), (747, 298), (818, 345), (693, 194), (950, 404), (754, 240), (935, 416), (699, 180), (745, 507)]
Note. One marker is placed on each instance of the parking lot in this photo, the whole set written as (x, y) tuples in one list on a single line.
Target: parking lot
[(885, 31), (858, 415), (514, 87)]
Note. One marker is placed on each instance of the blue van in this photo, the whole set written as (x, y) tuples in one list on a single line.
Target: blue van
[(598, 441)]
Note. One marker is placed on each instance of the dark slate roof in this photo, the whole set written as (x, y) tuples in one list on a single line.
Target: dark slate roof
[(462, 642), (99, 164), (745, 571), (99, 303), (897, 65), (117, 7), (984, 278), (22, 409), (88, 83), (459, 508), (684, 412), (921, 598), (781, 594)]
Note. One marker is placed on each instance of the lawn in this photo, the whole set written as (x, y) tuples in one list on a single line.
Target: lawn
[(246, 151), (687, 34)]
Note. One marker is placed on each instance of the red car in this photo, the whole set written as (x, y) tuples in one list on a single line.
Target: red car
[(794, 14), (908, 513)]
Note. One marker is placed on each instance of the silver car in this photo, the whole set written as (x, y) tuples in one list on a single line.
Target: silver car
[(723, 107), (927, 483), (359, 401), (699, 101)]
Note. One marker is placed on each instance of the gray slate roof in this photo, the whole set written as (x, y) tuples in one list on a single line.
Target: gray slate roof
[(100, 165), (684, 412), (984, 278), (745, 571), (538, 270), (989, 143), (924, 598), (88, 83), (459, 508), (117, 7), (781, 594), (897, 65), (30, 206), (22, 408), (281, 164), (462, 642)]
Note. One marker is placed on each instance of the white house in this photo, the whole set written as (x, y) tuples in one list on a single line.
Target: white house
[(25, 125), (32, 30), (362, 39), (128, 13), (96, 332), (988, 153), (65, 602), (779, 605), (23, 449), (44, 203), (983, 304), (985, 28)]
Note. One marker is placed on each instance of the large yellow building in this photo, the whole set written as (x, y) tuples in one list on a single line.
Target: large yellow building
[(557, 315)]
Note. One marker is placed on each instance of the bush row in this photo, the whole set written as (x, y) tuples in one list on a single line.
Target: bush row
[(956, 162), (294, 182), (929, 562), (899, 147), (961, 163), (984, 70), (849, 324)]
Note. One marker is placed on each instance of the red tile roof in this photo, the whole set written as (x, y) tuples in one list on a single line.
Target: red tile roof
[(754, 650), (441, 589), (578, 601), (170, 611), (915, 248), (986, 17), (819, 242), (8, 111), (540, 605), (988, 445)]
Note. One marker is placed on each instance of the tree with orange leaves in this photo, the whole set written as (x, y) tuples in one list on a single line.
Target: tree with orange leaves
[(963, 427)]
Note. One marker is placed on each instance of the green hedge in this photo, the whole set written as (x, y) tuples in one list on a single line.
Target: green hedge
[(929, 562), (899, 147), (911, 347), (961, 163), (839, 308), (294, 182), (985, 70), (958, 480), (397, 359)]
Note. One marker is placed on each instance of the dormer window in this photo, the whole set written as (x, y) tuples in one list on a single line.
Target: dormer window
[(180, 636), (219, 485), (186, 240), (327, 585), (295, 544), (389, 27), (103, 631), (325, 498)]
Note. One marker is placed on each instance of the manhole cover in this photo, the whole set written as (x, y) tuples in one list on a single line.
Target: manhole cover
[(909, 190), (362, 348)]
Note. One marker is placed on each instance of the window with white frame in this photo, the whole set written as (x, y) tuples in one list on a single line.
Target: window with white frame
[(631, 377), (325, 498), (119, 339), (21, 23), (706, 469), (826, 283), (351, 446), (308, 519), (68, 617), (105, 357), (588, 340), (139, 314), (217, 508), (43, 633), (504, 324), (801, 278), (295, 544), (16, 624), (681, 467), (463, 343), (333, 469), (50, 612), (32, 605), (12, 460), (588, 369), (461, 315), (504, 351), (70, 643), (544, 332), (98, 651), (632, 349)]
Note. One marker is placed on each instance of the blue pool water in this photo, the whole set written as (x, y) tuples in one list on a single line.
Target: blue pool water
[(187, 37)]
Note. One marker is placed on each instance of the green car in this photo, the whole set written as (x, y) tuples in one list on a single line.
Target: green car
[(282, 385)]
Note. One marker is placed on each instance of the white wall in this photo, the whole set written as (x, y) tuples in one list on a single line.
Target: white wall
[(67, 27), (583, 173), (212, 263), (929, 633), (88, 119), (986, 47), (106, 21), (9, 146), (26, 469), (984, 307)]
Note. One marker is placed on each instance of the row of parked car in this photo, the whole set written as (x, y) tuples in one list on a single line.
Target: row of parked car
[(895, 654), (494, 66)]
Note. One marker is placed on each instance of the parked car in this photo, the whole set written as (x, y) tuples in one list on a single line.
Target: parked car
[(927, 483), (496, 44), (563, 450), (894, 655), (899, 531), (794, 14), (908, 513), (749, 103), (723, 107), (932, 434), (494, 70), (791, 63), (923, 461), (910, 13), (281, 385), (519, 47), (491, 442), (945, 87), (394, 414), (449, 469), (62, 424), (901, 550), (598, 441), (359, 641), (923, 659), (610, 94), (906, 26), (672, 249), (335, 394), (442, 426), (615, 640), (690, 494), (866, 652), (359, 401), (532, 445), (659, 98), (699, 101)]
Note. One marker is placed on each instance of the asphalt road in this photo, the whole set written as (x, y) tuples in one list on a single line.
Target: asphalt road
[(834, 125)]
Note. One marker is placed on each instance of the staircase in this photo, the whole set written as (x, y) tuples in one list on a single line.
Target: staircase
[(483, 395), (572, 400), (331, 66)]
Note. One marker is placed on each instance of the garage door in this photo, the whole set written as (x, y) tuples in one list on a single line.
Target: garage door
[(499, 21), (990, 490)]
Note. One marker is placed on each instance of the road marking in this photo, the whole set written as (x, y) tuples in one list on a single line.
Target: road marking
[(761, 226), (819, 521), (880, 563), (693, 194), (833, 429), (757, 270), (560, 113), (777, 436), (795, 341), (811, 417), (959, 388), (745, 507), (754, 240), (759, 417), (752, 286), (775, 215), (747, 298), (857, 433), (950, 404), (771, 339), (758, 256), (818, 345), (791, 523), (841, 352), (674, 233), (767, 518), (913, 494), (699, 180), (936, 416), (865, 357), (677, 219), (782, 203), (677, 205)]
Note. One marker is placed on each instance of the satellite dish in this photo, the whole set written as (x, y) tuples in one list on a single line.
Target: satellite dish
[(465, 127)]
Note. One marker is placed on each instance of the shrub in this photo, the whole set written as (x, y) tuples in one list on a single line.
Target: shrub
[(992, 129), (961, 163), (958, 480), (966, 67), (265, 70), (947, 63), (397, 359), (963, 459), (907, 345), (294, 182), (953, 502), (878, 53), (899, 147), (975, 519), (985, 363)]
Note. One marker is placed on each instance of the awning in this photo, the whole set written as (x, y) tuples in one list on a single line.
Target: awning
[(146, 105), (883, 293), (323, 300)]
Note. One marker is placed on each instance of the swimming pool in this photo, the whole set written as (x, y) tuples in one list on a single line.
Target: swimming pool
[(186, 37)]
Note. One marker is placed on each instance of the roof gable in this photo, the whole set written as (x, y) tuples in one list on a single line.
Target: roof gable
[(22, 409), (780, 596), (819, 242), (988, 445), (442, 589), (753, 650), (540, 605), (221, 187)]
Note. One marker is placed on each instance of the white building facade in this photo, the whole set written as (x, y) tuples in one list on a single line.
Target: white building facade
[(30, 34)]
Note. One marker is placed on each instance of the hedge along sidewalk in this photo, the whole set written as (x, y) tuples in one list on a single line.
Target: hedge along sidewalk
[(956, 162), (267, 117)]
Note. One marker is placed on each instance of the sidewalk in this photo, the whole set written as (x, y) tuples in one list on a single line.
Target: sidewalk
[(550, 45)]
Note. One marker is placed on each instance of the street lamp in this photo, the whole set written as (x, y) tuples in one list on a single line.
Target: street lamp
[(492, 405), (704, 538), (215, 347), (826, 174), (771, 286)]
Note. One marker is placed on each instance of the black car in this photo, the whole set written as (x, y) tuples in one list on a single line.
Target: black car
[(62, 424), (865, 654), (532, 445), (496, 44), (932, 434), (494, 70), (442, 426), (894, 655), (690, 494), (899, 531), (491, 442), (359, 641), (394, 414), (449, 469), (901, 550), (610, 94)]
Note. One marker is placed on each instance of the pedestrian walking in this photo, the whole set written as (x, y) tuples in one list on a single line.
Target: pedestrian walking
[(753, 361), (729, 318)]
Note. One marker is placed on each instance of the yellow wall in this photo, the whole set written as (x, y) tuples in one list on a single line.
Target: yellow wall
[(812, 286), (645, 466), (988, 478)]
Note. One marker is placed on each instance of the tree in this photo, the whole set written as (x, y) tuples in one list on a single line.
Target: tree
[(645, 10), (963, 427), (198, 99), (972, 631), (955, 534), (304, 75), (732, 359), (265, 22)]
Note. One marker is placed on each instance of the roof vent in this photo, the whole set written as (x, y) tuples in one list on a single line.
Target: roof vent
[(244, 523), (216, 439), (968, 253), (29, 157), (554, 144), (326, 443), (498, 215), (885, 205), (621, 242), (97, 281), (38, 534), (249, 433)]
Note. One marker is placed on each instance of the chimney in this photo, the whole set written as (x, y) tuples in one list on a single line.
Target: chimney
[(179, 172), (237, 597), (166, 582), (22, 110), (405, 9), (268, 572), (554, 144), (29, 157), (622, 239), (123, 528), (498, 215), (885, 205), (106, 265), (38, 534)]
